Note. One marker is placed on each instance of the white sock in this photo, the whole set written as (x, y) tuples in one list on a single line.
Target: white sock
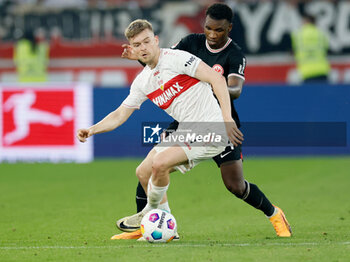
[(165, 206), (155, 195)]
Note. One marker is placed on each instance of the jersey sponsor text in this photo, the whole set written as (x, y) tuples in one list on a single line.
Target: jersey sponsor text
[(165, 95)]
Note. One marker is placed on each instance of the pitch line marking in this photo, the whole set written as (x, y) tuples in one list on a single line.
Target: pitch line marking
[(179, 245)]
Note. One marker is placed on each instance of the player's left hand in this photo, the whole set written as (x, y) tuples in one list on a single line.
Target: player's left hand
[(234, 134)]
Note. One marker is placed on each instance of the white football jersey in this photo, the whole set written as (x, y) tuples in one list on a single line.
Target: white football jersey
[(171, 86)]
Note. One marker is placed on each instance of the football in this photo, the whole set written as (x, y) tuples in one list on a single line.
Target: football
[(158, 226)]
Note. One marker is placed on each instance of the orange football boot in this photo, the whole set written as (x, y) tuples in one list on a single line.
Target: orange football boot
[(281, 224), (128, 235)]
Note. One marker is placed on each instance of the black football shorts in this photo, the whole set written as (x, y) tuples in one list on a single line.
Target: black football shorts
[(228, 155)]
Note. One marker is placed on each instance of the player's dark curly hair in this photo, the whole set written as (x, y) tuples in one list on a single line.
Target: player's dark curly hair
[(219, 11)]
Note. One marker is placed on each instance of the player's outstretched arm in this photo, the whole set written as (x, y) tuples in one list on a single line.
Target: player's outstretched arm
[(218, 82), (109, 123)]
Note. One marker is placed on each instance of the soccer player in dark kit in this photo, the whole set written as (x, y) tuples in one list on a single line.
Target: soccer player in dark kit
[(217, 50)]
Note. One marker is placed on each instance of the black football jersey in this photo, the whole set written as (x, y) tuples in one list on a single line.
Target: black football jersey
[(228, 60)]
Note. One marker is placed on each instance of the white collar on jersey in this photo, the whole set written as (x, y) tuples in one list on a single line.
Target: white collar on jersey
[(229, 40)]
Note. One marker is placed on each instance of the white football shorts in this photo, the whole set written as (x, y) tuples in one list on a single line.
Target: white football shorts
[(195, 154)]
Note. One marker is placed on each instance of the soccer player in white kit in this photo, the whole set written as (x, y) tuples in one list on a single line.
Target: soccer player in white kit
[(182, 85)]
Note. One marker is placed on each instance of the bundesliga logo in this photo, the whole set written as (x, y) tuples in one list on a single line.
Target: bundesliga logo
[(34, 117)]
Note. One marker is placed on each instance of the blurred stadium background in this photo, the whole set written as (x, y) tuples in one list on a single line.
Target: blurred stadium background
[(87, 78)]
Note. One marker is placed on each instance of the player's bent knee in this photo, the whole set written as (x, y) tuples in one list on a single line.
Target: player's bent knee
[(233, 179), (143, 174), (159, 166), (235, 185)]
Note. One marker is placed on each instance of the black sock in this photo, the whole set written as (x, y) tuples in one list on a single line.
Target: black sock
[(141, 198), (254, 197)]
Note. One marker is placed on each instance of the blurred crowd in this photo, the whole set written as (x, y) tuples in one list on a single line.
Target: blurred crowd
[(99, 25), (63, 4), (30, 5), (26, 5)]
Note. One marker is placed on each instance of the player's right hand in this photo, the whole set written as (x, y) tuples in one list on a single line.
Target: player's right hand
[(128, 53), (83, 134), (234, 134)]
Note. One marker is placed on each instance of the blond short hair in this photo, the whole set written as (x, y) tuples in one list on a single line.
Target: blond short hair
[(137, 27)]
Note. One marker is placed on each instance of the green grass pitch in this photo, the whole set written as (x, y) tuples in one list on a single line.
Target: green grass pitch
[(66, 212)]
